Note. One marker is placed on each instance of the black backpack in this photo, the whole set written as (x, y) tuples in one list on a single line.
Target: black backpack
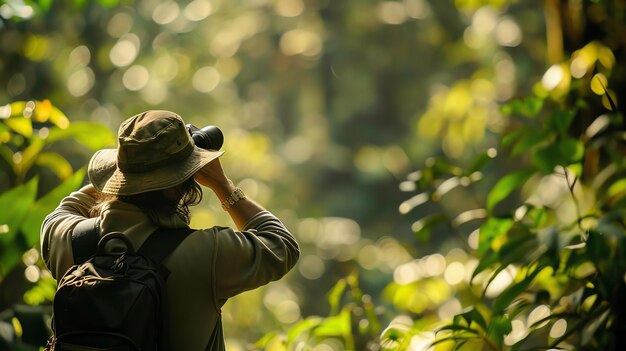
[(116, 299)]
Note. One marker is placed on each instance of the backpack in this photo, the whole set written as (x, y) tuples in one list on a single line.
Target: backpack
[(116, 299)]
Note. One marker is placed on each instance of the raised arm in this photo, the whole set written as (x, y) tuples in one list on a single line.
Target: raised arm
[(262, 251)]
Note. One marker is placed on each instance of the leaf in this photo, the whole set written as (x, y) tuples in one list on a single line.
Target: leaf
[(530, 139), (510, 137), (334, 326), (56, 163), (598, 250), (479, 162), (335, 294), (560, 121), (20, 125), (561, 153), (29, 155), (15, 204), (617, 190), (456, 327), (6, 156), (513, 291), (32, 223), (506, 185), (491, 229), (59, 119), (529, 107), (441, 166), (44, 5), (469, 315), (499, 327), (108, 3), (265, 340), (487, 259), (512, 250), (303, 326), (93, 135), (41, 293), (591, 327), (423, 227), (516, 248)]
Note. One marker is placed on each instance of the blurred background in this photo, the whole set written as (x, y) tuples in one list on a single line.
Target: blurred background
[(336, 115)]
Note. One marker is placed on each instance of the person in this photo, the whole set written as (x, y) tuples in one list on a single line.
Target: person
[(150, 181)]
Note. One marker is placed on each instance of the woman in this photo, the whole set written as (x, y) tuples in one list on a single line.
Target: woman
[(148, 182)]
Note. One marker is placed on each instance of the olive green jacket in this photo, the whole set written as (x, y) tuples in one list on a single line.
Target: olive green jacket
[(208, 267)]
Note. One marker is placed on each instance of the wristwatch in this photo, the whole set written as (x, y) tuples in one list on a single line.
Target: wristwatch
[(231, 199)]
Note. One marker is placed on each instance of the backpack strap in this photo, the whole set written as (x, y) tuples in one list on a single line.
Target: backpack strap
[(163, 242), (85, 239), (157, 247)]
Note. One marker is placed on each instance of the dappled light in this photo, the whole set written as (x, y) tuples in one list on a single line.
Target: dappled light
[(452, 170)]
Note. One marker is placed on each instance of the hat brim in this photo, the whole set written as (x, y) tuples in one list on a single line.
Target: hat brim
[(107, 178)]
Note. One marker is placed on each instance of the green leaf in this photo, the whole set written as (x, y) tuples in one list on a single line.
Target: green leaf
[(15, 204), (108, 3), (335, 294), (487, 259), (93, 135), (529, 141), (499, 327), (335, 326), (506, 185), (592, 326), (41, 293), (456, 327), (509, 138), (423, 227), (6, 156), (20, 125), (617, 190), (32, 223), (491, 229), (262, 343), (598, 249), (479, 162), (512, 292), (303, 326), (469, 315), (561, 153), (510, 252), (44, 5), (529, 107), (560, 121), (29, 156), (56, 163), (517, 247)]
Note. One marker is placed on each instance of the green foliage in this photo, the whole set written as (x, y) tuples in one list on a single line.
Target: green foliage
[(326, 104), (352, 321), (30, 133), (36, 175), (570, 267)]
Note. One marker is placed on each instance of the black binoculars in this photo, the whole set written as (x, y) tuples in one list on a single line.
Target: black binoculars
[(209, 137)]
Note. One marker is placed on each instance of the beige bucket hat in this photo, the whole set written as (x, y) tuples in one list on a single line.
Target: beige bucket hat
[(155, 151)]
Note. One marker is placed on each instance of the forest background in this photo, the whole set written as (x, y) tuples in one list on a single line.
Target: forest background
[(453, 170)]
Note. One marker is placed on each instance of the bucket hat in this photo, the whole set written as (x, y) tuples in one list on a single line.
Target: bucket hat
[(155, 151)]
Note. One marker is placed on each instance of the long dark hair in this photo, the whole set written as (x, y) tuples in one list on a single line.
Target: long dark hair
[(158, 203)]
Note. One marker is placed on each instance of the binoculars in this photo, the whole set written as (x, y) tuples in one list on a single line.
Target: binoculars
[(209, 137)]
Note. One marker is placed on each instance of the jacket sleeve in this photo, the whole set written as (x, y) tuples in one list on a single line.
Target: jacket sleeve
[(263, 252), (56, 231)]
